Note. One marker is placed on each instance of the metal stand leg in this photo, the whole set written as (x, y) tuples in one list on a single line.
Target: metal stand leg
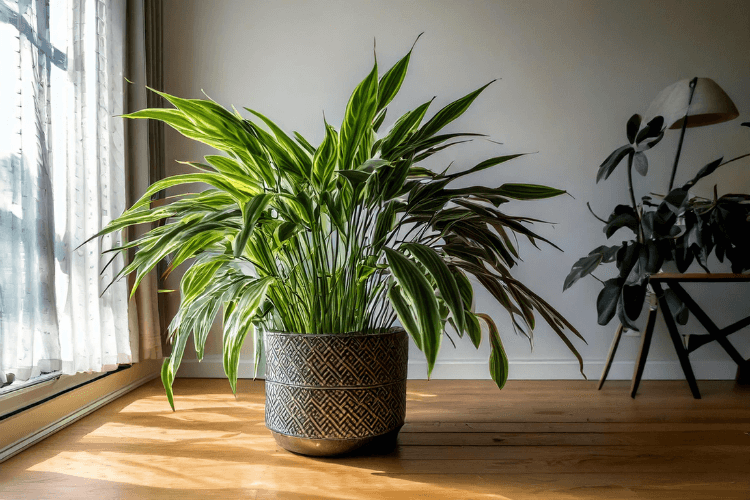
[(645, 346), (610, 356), (743, 373), (678, 347)]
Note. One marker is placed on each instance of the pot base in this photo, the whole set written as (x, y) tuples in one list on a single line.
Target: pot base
[(381, 444)]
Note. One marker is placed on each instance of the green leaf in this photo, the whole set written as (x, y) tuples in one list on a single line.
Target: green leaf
[(384, 224), (403, 128), (448, 114), (172, 363), (422, 298), (445, 281), (528, 191), (324, 161), (391, 81), (300, 156), (486, 164), (406, 315), (251, 213), (358, 117), (498, 358), (378, 121), (304, 143), (464, 286), (172, 117), (239, 324), (285, 231), (473, 330), (355, 177)]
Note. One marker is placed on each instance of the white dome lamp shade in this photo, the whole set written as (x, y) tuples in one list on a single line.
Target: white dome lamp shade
[(710, 104), (691, 103)]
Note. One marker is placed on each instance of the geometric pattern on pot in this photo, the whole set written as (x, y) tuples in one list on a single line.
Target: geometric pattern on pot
[(336, 360), (345, 413)]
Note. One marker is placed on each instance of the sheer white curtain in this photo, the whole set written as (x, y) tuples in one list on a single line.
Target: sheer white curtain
[(61, 180)]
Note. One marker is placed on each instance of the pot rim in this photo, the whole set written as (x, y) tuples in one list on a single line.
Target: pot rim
[(390, 331)]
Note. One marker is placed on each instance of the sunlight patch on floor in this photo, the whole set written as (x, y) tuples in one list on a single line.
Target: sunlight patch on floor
[(197, 416), (271, 473), (158, 404), (114, 432), (418, 396)]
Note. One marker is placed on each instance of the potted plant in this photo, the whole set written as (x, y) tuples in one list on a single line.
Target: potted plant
[(319, 250), (677, 230)]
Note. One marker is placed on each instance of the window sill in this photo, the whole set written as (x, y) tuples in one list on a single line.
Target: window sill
[(36, 391)]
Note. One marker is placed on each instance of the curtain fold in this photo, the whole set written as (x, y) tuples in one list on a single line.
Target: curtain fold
[(145, 155), (62, 178)]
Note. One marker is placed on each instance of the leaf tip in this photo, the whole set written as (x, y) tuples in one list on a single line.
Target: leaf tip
[(417, 39)]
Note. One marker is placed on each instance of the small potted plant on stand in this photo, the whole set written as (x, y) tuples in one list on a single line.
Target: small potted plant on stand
[(319, 250), (679, 229), (668, 231)]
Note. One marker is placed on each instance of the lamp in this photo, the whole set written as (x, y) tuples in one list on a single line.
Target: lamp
[(691, 103)]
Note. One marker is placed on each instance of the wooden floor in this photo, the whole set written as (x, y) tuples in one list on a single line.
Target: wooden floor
[(462, 439)]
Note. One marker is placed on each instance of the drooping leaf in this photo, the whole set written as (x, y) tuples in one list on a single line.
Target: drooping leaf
[(633, 297), (421, 297), (406, 315), (171, 363), (606, 302), (498, 358), (622, 216), (440, 272), (582, 267), (614, 159), (473, 330), (640, 162), (240, 323)]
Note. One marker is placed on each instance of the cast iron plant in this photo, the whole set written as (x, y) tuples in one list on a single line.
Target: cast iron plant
[(346, 236)]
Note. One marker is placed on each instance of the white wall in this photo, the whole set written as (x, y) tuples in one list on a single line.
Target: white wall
[(571, 73)]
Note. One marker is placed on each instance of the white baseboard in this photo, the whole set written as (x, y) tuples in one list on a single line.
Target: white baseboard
[(211, 367), (65, 421)]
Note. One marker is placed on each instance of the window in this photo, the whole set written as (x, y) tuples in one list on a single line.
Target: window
[(61, 180)]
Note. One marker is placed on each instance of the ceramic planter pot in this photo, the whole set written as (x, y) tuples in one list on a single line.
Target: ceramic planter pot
[(332, 394)]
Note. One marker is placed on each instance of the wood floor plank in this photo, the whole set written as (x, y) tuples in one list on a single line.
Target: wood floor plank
[(463, 439), (641, 439)]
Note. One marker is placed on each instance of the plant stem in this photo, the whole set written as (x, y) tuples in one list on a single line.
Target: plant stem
[(693, 82), (632, 197), (630, 183)]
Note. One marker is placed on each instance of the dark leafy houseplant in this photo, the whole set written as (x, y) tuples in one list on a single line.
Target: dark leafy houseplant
[(680, 229), (344, 237)]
